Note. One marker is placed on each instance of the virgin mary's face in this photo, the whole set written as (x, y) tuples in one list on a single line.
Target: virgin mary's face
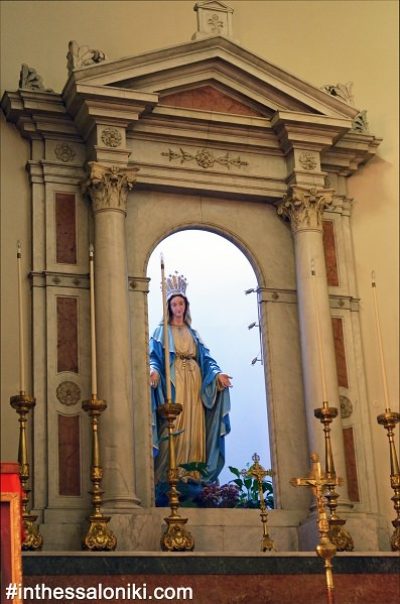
[(178, 308)]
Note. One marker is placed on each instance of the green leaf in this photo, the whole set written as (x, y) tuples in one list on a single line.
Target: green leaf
[(248, 482), (235, 471), (239, 482), (267, 486)]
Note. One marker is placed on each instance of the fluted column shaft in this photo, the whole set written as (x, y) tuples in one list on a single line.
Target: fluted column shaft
[(108, 188), (304, 208)]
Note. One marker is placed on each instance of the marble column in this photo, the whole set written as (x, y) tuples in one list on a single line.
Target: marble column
[(108, 187), (304, 207)]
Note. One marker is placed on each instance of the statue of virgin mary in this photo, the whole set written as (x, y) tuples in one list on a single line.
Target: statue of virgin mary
[(197, 383)]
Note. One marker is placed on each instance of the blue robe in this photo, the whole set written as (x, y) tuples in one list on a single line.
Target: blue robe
[(216, 402)]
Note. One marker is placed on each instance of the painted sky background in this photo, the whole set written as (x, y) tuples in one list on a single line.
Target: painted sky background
[(218, 274)]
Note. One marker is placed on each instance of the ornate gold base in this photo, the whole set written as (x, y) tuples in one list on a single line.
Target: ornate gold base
[(395, 538), (175, 537), (33, 540), (267, 544), (99, 537), (339, 536)]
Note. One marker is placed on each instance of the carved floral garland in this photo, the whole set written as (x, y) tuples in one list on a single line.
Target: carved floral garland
[(205, 158)]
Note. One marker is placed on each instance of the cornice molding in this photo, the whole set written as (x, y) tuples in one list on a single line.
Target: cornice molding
[(39, 114), (92, 106), (308, 131)]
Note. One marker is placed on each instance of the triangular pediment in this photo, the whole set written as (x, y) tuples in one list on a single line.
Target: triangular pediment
[(214, 74), (208, 98), (215, 5)]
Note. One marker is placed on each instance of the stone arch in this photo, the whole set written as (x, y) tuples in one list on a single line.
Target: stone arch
[(215, 265), (225, 233), (258, 232)]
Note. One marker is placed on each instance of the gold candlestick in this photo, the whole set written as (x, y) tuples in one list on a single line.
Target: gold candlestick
[(32, 539), (388, 420), (259, 473), (99, 536), (23, 403), (337, 533), (175, 537), (325, 549)]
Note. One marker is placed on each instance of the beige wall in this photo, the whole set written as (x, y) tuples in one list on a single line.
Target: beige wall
[(320, 42)]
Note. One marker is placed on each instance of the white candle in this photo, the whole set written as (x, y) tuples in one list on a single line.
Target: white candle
[(378, 331), (319, 342), (166, 333), (92, 323), (20, 323)]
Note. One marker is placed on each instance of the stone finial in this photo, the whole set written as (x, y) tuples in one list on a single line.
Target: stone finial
[(29, 79), (214, 18), (341, 91), (82, 56)]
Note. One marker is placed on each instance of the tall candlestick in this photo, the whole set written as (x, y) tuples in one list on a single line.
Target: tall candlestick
[(92, 323), (166, 333), (20, 323), (319, 342), (378, 331)]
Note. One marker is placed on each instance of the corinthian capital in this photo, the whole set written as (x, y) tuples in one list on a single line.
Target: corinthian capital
[(304, 207), (108, 186)]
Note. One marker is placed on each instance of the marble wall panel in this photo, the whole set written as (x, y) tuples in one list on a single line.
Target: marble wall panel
[(340, 352), (65, 228), (67, 334), (330, 252), (351, 464), (69, 455)]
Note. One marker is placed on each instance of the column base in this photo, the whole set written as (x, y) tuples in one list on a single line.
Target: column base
[(120, 505)]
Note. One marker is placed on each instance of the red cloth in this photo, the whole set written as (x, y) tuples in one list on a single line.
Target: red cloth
[(10, 482)]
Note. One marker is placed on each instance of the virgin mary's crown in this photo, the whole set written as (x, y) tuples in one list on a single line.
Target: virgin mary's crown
[(176, 285)]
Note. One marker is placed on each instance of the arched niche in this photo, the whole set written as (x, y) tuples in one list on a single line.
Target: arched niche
[(218, 274), (266, 242)]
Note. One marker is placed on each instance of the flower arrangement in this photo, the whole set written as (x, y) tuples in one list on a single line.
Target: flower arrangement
[(240, 492)]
